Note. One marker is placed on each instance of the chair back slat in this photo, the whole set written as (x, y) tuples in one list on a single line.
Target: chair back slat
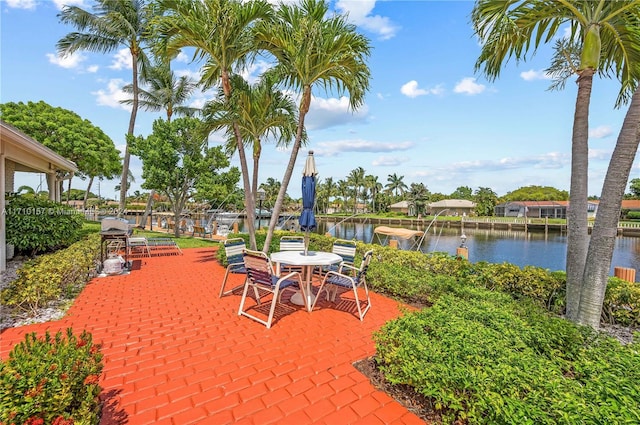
[(291, 243), (345, 249), (233, 249), (259, 269)]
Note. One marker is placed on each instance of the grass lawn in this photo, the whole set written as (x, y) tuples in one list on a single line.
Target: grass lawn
[(183, 241)]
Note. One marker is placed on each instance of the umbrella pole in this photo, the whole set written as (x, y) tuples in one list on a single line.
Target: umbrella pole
[(306, 242)]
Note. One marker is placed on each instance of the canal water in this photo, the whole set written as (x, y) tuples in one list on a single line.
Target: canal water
[(494, 246)]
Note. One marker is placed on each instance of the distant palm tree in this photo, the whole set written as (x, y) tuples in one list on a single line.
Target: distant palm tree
[(356, 180), (605, 34), (165, 91), (331, 189), (396, 184), (271, 188), (113, 24), (313, 48), (374, 187), (419, 195), (343, 190)]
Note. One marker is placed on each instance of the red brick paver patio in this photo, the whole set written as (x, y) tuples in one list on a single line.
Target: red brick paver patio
[(176, 354)]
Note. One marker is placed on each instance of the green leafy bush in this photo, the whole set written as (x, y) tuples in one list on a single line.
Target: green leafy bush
[(51, 276), (633, 215), (484, 358), (622, 302), (36, 225), (51, 381)]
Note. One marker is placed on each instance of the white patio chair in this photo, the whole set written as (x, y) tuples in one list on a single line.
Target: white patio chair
[(338, 280), (260, 277)]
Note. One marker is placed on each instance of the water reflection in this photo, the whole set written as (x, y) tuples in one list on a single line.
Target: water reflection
[(494, 246)]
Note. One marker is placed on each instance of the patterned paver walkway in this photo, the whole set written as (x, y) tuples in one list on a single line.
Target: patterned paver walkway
[(176, 354)]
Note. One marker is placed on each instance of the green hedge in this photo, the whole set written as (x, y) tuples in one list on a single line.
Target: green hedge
[(51, 381), (36, 225), (484, 358), (52, 276)]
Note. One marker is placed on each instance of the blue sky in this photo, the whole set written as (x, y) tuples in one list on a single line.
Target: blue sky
[(427, 117)]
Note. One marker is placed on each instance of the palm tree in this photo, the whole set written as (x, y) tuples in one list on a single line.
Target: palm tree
[(605, 32), (112, 25), (331, 189), (374, 187), (166, 93), (356, 179), (419, 195), (602, 239), (219, 31), (313, 48), (271, 188), (396, 184), (260, 111), (343, 190)]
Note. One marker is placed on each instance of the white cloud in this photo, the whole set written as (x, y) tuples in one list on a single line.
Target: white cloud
[(469, 86), (325, 113), (93, 68), (68, 62), (21, 4), (61, 3), (252, 73), (411, 89), (533, 75), (122, 60), (599, 154), (194, 75), (600, 132), (390, 161), (113, 95), (359, 13), (182, 57), (358, 145)]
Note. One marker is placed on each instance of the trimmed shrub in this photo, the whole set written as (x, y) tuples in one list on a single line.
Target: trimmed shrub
[(621, 302), (484, 358), (36, 225), (51, 276), (51, 381)]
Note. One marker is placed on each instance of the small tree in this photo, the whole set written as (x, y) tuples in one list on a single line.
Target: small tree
[(174, 157)]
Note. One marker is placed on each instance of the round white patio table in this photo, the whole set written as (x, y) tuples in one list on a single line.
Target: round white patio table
[(308, 262)]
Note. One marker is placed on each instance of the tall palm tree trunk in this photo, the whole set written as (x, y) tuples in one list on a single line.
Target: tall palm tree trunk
[(132, 125), (275, 213), (577, 225), (257, 150), (248, 194), (604, 231)]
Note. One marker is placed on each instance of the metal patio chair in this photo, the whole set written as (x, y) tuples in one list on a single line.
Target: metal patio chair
[(261, 278), (339, 280), (234, 249)]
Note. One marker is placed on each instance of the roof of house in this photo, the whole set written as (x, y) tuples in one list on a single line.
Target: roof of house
[(631, 204), (30, 154), (401, 204), (453, 203)]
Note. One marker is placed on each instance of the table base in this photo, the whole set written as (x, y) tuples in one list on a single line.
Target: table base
[(298, 300)]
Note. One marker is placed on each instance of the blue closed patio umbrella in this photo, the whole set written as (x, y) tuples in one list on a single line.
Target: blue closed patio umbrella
[(307, 218)]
